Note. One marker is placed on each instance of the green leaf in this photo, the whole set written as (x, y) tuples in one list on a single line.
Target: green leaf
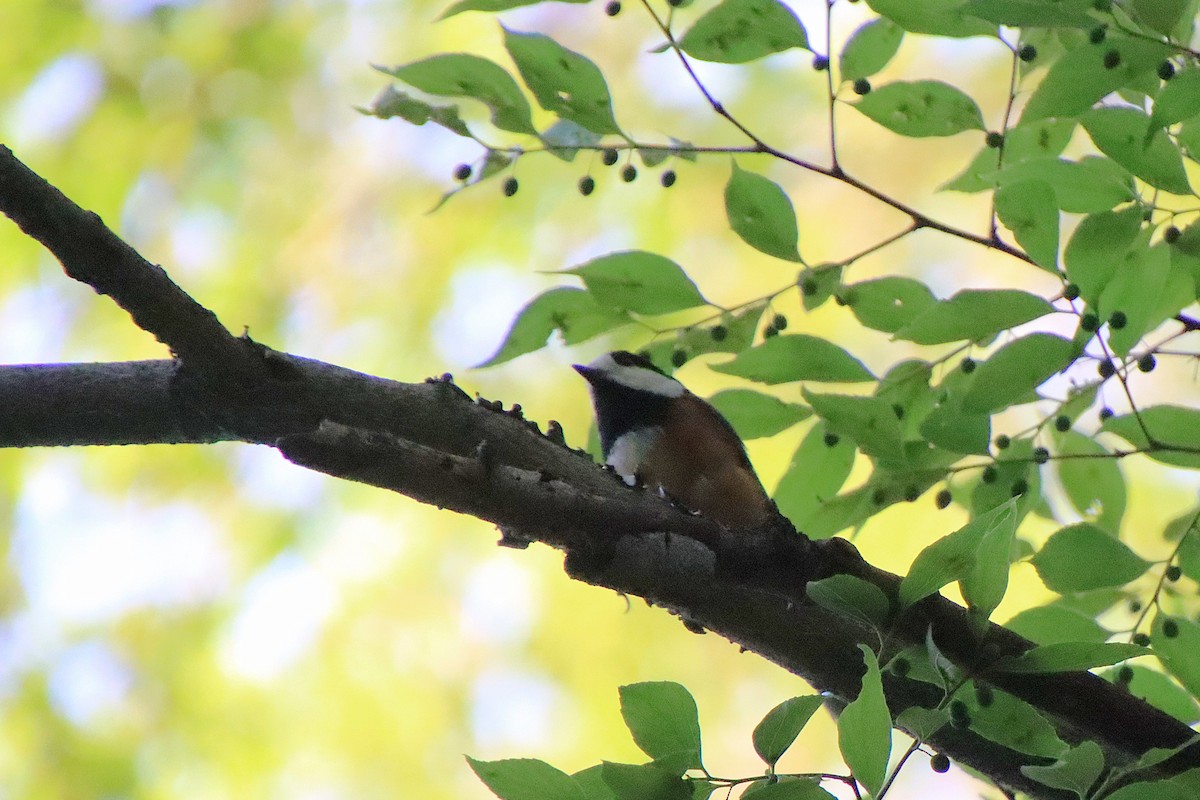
[(564, 82), (464, 75), (949, 427), (851, 597), (1013, 465), (1030, 210), (814, 476), (564, 138), (1017, 725), (1070, 657), (1160, 16), (1076, 771), (755, 415), (1093, 183), (1094, 484), (985, 583), (1161, 692), (1044, 138), (934, 17), (782, 724), (493, 6), (573, 313), (644, 782), (1137, 290), (921, 108), (1171, 427), (974, 315), (796, 357), (1120, 133), (1179, 99), (1054, 623), (526, 779), (869, 421), (870, 48), (1082, 557), (1079, 78), (637, 281), (922, 723), (737, 31), (1033, 13), (819, 284), (1180, 654), (391, 103), (662, 717), (956, 556), (888, 304), (865, 729), (760, 212), (591, 783), (1016, 369), (1097, 246)]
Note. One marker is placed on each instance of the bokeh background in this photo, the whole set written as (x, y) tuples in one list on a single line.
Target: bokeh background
[(203, 622)]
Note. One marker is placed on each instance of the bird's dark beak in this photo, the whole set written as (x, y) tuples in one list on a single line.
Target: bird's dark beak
[(586, 372)]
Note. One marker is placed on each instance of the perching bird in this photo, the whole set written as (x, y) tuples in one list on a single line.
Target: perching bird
[(654, 431)]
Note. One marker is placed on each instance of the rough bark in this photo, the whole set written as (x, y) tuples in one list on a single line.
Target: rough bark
[(432, 442)]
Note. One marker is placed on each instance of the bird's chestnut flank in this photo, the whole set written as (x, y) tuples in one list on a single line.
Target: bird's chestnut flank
[(655, 432)]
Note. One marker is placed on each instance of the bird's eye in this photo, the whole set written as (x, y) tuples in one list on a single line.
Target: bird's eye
[(624, 358)]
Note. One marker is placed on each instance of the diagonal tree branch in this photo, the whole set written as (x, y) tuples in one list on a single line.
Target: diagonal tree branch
[(432, 442)]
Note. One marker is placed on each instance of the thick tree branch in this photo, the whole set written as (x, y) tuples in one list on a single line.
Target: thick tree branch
[(431, 442)]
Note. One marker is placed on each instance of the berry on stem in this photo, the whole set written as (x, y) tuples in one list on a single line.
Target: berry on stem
[(587, 185), (462, 172), (862, 86), (667, 179), (510, 186), (609, 156)]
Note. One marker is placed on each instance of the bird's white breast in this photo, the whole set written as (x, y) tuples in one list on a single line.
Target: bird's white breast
[(629, 450)]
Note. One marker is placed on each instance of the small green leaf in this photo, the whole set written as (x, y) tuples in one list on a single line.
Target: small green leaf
[(954, 557), (1054, 623), (526, 779), (851, 597), (869, 421), (796, 357), (1179, 99), (985, 583), (564, 138), (888, 304), (1120, 133), (820, 283), (761, 213), (1076, 771), (949, 427), (564, 82), (1082, 557), (933, 17), (974, 315), (644, 782), (1033, 13), (870, 48), (1016, 725), (492, 6), (1093, 484), (1070, 657), (1079, 78), (1176, 432), (814, 476), (1030, 210), (782, 724), (921, 108), (922, 723), (391, 103), (637, 281), (464, 75), (865, 729), (1137, 291), (1097, 246), (573, 313), (1180, 654), (1016, 369), (755, 415), (662, 717), (1161, 16), (737, 31), (1093, 183), (1037, 139)]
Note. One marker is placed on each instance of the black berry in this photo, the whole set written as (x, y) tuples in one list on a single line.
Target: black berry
[(831, 440), (808, 287), (994, 139), (769, 332), (1027, 53), (1125, 675), (1118, 320), (911, 494), (1147, 362), (862, 86), (984, 695), (1089, 322), (820, 63), (988, 475), (943, 498), (510, 187), (1171, 235), (1105, 413), (1071, 292), (1106, 369), (1174, 573), (1166, 71), (1002, 442), (940, 763), (780, 322), (1096, 35), (667, 179), (900, 666), (613, 8), (587, 185), (1141, 639), (462, 172), (879, 497), (719, 332), (629, 173), (1135, 606), (968, 365), (609, 157), (1062, 423), (1170, 628), (1112, 59), (1019, 487), (679, 358)]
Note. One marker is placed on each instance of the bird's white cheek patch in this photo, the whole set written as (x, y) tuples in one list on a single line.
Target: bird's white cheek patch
[(628, 451)]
